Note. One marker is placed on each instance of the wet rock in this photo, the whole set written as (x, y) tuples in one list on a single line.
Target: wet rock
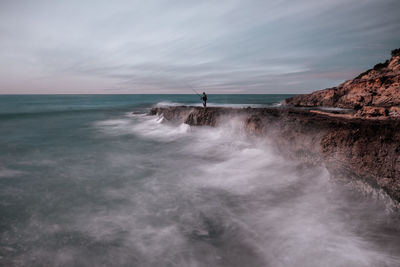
[(253, 124), (202, 116), (362, 149)]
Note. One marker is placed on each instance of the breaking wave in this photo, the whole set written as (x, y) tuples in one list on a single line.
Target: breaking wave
[(217, 197), (135, 190)]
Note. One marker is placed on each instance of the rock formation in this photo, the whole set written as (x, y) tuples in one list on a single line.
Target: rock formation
[(361, 147), (375, 92), (359, 150)]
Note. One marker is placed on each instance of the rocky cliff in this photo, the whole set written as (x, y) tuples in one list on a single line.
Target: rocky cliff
[(363, 151), (375, 92), (361, 146)]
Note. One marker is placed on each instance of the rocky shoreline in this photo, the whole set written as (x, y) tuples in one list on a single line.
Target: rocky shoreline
[(364, 152), (353, 129)]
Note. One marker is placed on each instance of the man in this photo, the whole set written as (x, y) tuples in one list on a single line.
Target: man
[(204, 97)]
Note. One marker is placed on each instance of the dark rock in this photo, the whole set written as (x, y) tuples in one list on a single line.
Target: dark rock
[(362, 149), (396, 52)]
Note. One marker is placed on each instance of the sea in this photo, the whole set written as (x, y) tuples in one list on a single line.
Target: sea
[(92, 180)]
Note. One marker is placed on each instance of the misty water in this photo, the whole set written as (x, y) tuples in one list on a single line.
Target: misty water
[(94, 181)]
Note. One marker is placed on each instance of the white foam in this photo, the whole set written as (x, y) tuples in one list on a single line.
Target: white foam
[(219, 186), (167, 103), (149, 127)]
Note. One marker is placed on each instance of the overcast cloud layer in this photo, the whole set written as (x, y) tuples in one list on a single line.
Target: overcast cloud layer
[(220, 46)]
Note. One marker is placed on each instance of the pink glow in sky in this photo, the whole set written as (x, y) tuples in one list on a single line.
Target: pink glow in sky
[(162, 46)]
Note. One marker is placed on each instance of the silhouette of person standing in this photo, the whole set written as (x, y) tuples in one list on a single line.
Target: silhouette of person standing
[(204, 98)]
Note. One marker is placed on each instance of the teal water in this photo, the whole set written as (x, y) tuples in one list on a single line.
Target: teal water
[(91, 180)]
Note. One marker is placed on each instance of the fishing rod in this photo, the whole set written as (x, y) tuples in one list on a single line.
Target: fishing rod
[(194, 90)]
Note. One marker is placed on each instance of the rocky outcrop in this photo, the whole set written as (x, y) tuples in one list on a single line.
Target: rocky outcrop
[(360, 149), (362, 146), (378, 87)]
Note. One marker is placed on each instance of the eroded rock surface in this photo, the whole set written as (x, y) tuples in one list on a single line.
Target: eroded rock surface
[(378, 87), (359, 149)]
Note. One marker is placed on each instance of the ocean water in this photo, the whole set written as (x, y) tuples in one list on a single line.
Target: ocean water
[(91, 180)]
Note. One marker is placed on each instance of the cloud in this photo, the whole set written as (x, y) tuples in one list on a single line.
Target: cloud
[(161, 46)]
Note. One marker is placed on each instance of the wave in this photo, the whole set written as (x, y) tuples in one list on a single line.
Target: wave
[(220, 186), (167, 103), (147, 192), (148, 127)]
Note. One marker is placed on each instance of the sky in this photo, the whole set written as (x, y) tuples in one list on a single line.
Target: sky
[(157, 46)]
